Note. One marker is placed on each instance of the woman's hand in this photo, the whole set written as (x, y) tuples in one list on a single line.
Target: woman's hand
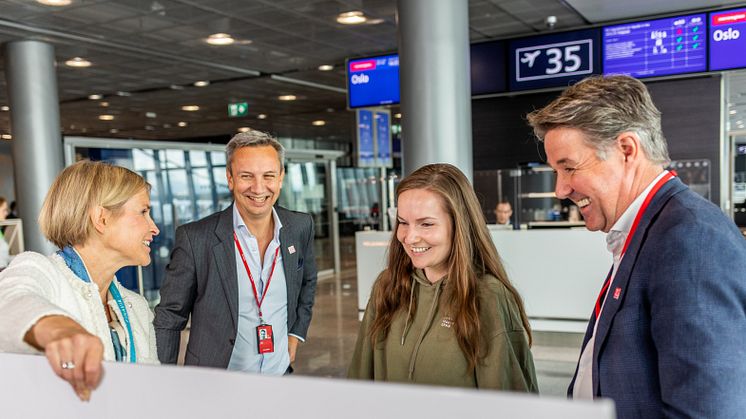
[(74, 354)]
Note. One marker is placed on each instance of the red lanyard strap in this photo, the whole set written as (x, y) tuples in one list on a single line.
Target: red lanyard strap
[(668, 176), (251, 278)]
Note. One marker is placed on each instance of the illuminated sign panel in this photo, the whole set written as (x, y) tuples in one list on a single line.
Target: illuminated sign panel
[(728, 39), (656, 47)]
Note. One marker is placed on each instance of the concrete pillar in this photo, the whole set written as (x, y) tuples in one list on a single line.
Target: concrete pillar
[(35, 126), (435, 83)]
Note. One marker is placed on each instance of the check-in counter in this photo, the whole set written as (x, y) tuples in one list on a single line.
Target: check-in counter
[(558, 272)]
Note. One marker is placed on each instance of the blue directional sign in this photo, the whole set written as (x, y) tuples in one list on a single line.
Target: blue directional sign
[(365, 144), (553, 60), (383, 140)]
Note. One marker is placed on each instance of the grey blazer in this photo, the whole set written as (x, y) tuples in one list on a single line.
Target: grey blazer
[(201, 280)]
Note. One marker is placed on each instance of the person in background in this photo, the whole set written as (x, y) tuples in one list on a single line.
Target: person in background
[(13, 211), (69, 305), (667, 334), (503, 212), (244, 273), (444, 312), (4, 248)]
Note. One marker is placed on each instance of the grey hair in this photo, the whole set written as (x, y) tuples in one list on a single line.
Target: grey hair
[(602, 108), (253, 138)]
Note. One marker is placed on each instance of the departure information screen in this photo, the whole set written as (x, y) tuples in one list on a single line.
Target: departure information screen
[(373, 81), (728, 39), (656, 47)]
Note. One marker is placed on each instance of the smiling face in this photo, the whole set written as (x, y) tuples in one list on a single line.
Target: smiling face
[(425, 231), (131, 230), (255, 178), (596, 186)]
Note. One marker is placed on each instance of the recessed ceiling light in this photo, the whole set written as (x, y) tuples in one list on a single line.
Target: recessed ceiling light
[(220, 39), (190, 108), (354, 17), (6, 137), (374, 21), (261, 116), (287, 97), (149, 128), (4, 108), (150, 114), (397, 116), (177, 87), (54, 2), (104, 104), (318, 123), (124, 94), (182, 124), (326, 67), (95, 97), (166, 125), (106, 117), (244, 129), (78, 62), (113, 130), (202, 83)]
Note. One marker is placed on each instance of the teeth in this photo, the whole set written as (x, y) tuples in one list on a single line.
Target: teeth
[(257, 199), (146, 243), (583, 202), (420, 249)]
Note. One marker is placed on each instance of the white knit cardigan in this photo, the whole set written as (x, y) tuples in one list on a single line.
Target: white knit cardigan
[(34, 286)]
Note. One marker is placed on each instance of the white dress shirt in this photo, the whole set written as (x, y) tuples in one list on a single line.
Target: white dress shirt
[(245, 356), (583, 388)]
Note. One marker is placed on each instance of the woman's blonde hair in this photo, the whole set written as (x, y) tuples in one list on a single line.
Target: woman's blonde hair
[(64, 218), (473, 256)]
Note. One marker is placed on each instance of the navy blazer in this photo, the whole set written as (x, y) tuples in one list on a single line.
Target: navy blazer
[(671, 340), (201, 281)]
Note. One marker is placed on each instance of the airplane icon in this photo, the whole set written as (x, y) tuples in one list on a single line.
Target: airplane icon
[(529, 57)]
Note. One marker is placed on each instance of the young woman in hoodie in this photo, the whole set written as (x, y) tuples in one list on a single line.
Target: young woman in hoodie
[(444, 312)]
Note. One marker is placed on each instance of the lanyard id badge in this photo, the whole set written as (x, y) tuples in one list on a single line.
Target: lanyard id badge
[(265, 339)]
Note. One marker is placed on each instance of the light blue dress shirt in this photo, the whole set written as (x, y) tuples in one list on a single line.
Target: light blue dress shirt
[(245, 356)]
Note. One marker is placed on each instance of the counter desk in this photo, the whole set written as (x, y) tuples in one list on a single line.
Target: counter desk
[(558, 272)]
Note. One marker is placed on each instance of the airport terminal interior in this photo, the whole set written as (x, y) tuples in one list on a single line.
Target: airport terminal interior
[(160, 86)]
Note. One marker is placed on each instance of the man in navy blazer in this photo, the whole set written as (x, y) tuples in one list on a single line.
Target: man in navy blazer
[(246, 275), (667, 336)]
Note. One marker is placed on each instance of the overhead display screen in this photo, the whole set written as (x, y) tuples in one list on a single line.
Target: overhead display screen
[(553, 60), (373, 81), (728, 39), (656, 47)]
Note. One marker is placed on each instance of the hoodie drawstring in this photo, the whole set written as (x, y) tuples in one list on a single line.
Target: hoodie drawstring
[(409, 312), (429, 323)]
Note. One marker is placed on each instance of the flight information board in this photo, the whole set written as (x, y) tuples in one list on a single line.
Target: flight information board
[(553, 60), (373, 81), (656, 47), (728, 39)]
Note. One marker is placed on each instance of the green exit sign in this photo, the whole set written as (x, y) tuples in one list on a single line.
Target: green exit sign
[(238, 109)]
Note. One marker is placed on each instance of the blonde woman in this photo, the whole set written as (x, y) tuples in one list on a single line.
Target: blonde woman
[(444, 312), (69, 305)]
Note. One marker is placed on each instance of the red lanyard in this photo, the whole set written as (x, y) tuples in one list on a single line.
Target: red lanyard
[(668, 176), (251, 278)]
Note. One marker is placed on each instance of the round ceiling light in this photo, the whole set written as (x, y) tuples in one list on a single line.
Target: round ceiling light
[(106, 117), (326, 67), (190, 108), (220, 39), (354, 17), (202, 83), (318, 123), (54, 2), (78, 62), (287, 98)]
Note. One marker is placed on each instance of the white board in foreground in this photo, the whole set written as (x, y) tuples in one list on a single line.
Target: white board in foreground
[(29, 389)]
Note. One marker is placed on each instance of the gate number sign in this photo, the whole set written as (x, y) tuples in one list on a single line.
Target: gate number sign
[(554, 60)]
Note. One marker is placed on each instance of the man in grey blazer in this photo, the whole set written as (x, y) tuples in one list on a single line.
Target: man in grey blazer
[(246, 275)]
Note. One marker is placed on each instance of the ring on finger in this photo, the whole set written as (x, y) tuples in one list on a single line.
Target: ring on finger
[(67, 365)]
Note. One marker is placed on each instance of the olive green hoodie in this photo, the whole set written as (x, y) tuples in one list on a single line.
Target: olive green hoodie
[(425, 350)]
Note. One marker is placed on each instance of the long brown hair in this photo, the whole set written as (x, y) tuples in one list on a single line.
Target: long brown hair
[(473, 256)]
